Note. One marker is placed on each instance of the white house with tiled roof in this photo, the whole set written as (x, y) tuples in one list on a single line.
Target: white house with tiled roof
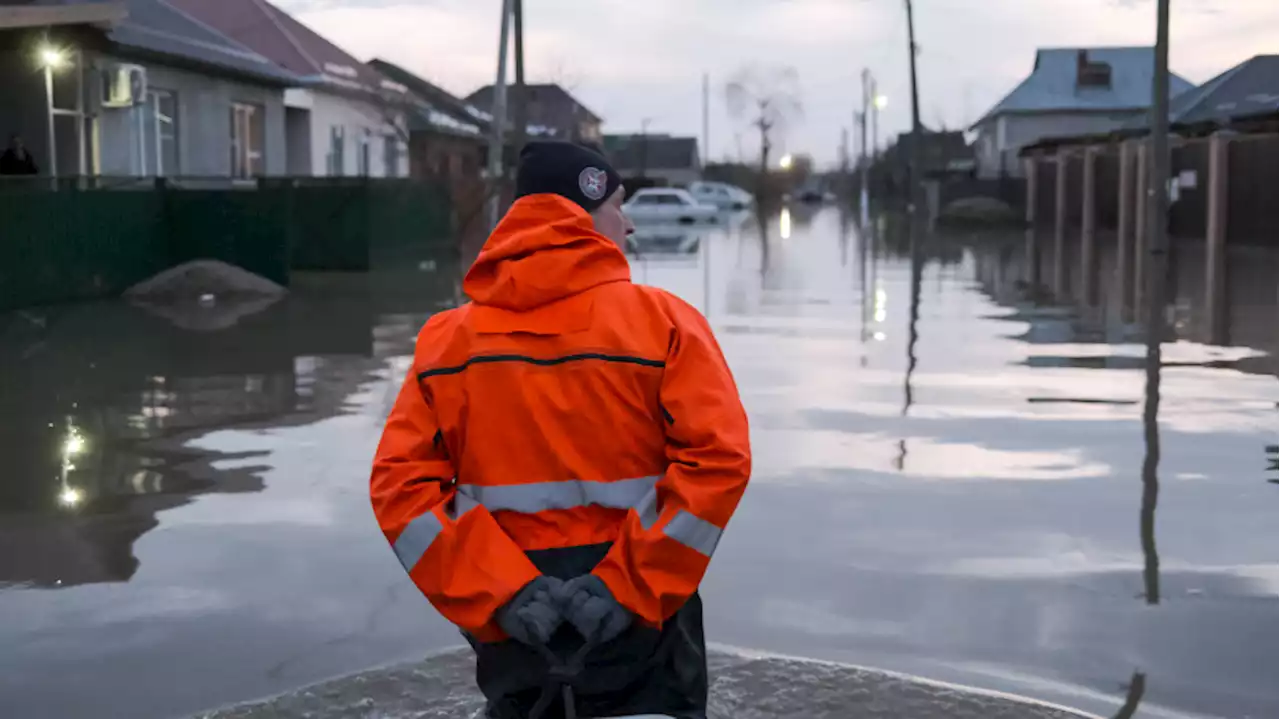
[(346, 119)]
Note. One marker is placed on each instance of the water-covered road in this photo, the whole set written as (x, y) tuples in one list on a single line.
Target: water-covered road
[(948, 482)]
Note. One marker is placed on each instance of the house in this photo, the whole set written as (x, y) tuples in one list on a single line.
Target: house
[(550, 111), (447, 136), (139, 88), (1243, 95), (663, 158), (1070, 91), (345, 119)]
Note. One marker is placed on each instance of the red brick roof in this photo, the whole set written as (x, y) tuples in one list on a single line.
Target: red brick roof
[(276, 35)]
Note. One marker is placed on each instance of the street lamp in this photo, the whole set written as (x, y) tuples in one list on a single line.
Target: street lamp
[(51, 58), (784, 162), (880, 101)]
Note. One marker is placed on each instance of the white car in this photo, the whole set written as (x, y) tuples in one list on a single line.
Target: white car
[(661, 204), (722, 195)]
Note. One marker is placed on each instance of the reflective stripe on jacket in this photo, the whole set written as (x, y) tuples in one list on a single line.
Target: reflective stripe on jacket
[(563, 407)]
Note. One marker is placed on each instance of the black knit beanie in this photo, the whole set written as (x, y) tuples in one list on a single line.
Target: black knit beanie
[(571, 171)]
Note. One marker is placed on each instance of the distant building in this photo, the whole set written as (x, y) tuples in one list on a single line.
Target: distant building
[(665, 159), (345, 119), (550, 110), (163, 93), (1070, 92), (941, 152)]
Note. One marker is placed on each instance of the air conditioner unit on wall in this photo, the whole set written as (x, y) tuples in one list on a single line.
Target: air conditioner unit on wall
[(124, 85)]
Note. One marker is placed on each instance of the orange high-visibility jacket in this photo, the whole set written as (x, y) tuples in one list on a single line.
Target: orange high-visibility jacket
[(563, 407)]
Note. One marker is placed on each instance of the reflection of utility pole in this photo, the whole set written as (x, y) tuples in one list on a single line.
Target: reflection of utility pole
[(913, 333), (1133, 697), (917, 278), (1150, 480)]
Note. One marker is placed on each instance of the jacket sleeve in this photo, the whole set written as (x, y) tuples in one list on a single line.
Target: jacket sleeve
[(453, 549), (666, 543)]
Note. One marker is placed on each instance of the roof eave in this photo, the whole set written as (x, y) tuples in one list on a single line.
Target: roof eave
[(103, 14)]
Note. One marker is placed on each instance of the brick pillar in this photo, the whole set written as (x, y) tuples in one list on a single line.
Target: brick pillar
[(1124, 224), (1141, 210), (1060, 224), (1088, 228)]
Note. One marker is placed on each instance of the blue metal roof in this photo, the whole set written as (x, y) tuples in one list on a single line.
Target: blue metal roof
[(1052, 87), (1249, 89)]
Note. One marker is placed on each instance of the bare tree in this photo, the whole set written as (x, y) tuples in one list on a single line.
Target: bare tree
[(769, 97)]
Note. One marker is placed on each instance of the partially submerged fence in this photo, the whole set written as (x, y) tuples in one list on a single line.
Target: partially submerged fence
[(1249, 177), (79, 239)]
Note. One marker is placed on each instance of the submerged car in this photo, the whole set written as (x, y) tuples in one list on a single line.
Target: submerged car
[(661, 204), (722, 195)]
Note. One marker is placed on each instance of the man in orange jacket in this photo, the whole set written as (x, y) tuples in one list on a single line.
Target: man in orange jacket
[(563, 456)]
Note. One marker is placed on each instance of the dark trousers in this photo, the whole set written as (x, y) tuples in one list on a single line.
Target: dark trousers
[(642, 671)]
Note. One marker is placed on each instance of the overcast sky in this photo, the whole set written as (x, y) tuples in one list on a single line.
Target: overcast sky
[(629, 60)]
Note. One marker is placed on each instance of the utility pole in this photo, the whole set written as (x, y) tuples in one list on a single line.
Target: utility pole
[(499, 118), (864, 194), (706, 118), (521, 110), (1158, 185), (875, 121), (917, 137)]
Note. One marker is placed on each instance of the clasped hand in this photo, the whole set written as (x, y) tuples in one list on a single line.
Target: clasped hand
[(545, 603)]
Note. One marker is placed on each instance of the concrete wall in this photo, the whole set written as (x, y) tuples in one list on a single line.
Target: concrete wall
[(1022, 130), (204, 124), (356, 117)]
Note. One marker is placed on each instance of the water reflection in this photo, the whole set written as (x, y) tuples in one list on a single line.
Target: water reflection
[(95, 434), (978, 446)]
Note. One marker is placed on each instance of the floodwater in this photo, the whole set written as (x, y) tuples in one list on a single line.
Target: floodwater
[(949, 482)]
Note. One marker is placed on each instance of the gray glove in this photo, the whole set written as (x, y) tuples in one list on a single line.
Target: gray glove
[(589, 606), (532, 616)]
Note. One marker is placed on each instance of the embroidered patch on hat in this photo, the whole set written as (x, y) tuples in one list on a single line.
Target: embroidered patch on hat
[(593, 181)]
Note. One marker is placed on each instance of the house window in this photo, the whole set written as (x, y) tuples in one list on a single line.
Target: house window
[(391, 156), (1002, 133), (246, 140), (337, 160), (362, 158), (158, 148)]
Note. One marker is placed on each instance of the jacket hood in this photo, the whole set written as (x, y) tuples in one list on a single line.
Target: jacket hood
[(546, 248)]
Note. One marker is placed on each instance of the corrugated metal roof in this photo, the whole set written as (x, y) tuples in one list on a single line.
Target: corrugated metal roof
[(1052, 85), (1249, 89)]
